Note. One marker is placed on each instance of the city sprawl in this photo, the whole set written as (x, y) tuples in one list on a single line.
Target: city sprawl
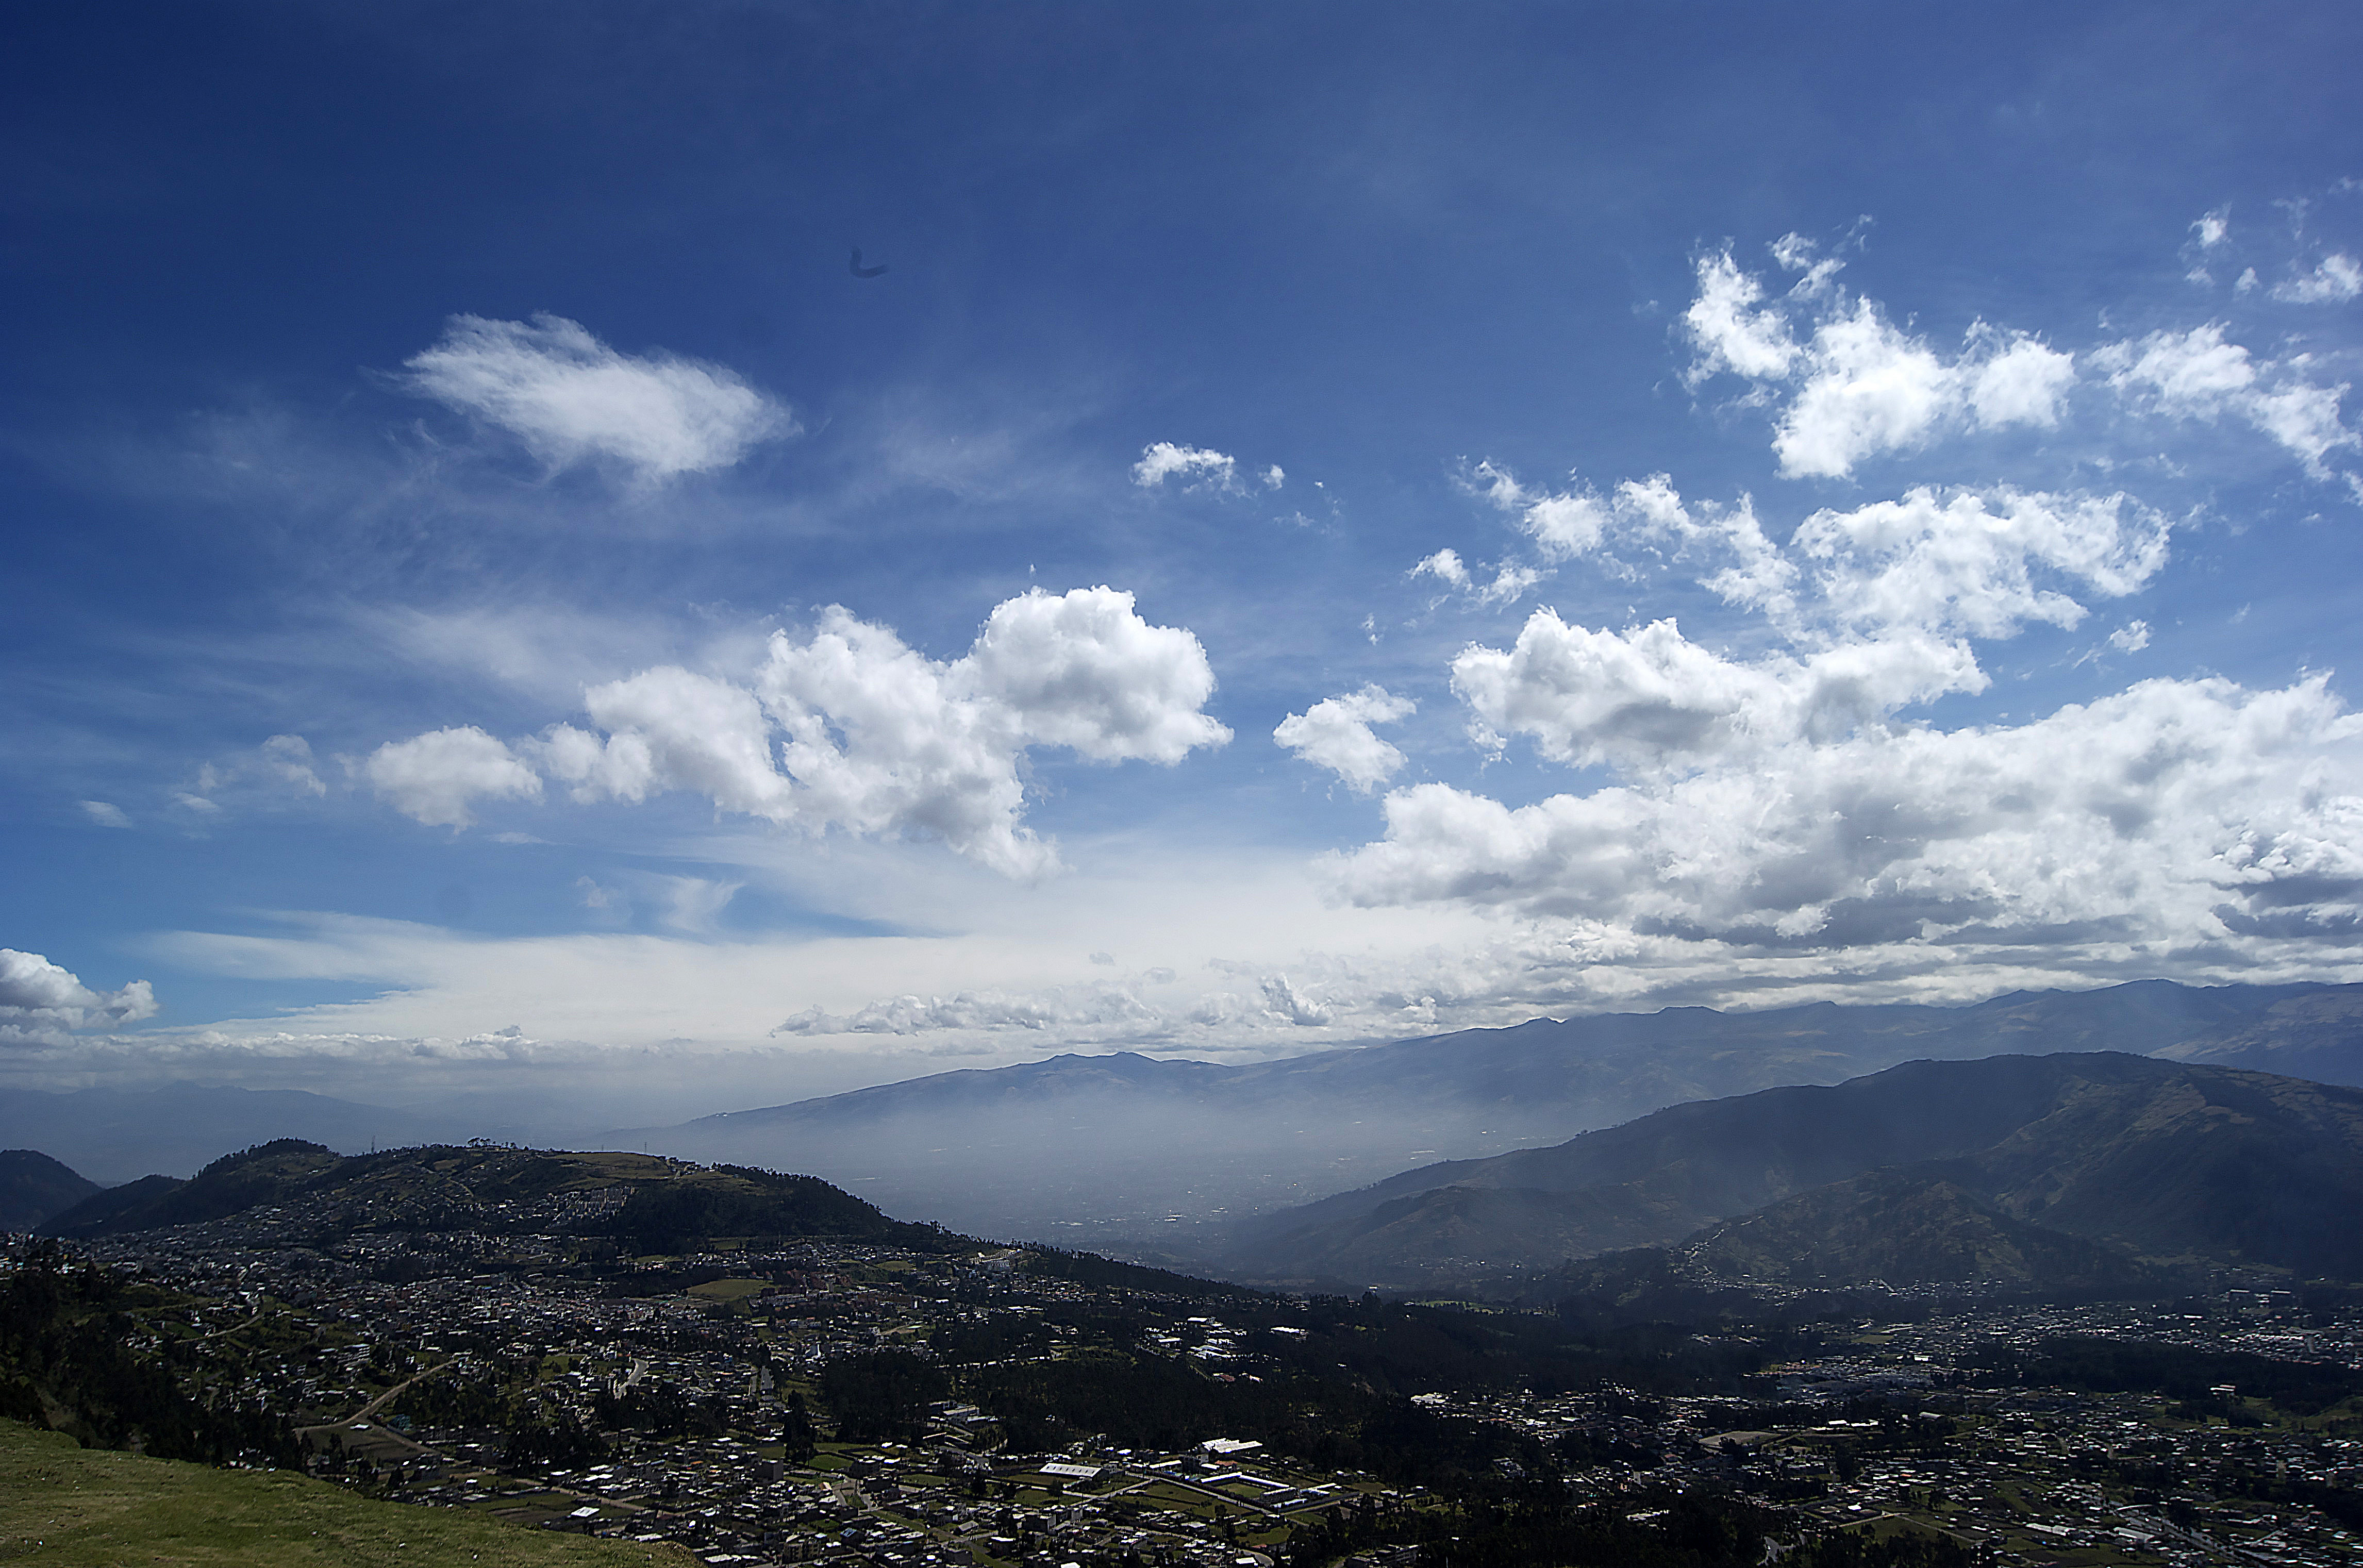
[(783, 1399)]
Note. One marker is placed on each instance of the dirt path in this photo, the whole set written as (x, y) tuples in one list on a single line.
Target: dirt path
[(372, 1408)]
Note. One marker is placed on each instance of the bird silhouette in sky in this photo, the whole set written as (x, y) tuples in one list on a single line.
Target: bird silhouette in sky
[(861, 271)]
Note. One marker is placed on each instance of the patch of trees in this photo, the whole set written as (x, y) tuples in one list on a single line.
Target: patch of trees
[(1138, 1402), (452, 1401), (663, 1410), (881, 1395), (2342, 1504), (268, 1173), (1090, 1268), (549, 1435), (2254, 1476), (1151, 1401), (1534, 1526), (1582, 1451), (642, 1282), (2119, 1366), (797, 1432), (995, 1339), (1334, 1390), (1417, 1350)]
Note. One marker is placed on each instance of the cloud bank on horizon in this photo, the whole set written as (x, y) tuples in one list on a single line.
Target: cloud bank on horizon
[(1861, 629)]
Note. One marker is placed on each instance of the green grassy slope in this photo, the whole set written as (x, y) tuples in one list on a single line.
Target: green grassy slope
[(78, 1507)]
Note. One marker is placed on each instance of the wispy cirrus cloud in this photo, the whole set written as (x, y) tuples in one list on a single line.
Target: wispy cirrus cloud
[(570, 398)]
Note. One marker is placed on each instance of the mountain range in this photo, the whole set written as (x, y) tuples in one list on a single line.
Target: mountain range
[(1129, 1150), (1164, 1158), (2087, 1171), (2011, 1167)]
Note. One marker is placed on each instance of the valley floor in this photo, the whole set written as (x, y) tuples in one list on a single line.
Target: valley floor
[(856, 1404)]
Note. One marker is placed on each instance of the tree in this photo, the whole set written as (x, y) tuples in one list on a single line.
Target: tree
[(797, 1428)]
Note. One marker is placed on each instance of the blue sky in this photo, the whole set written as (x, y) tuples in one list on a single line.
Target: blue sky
[(1777, 502)]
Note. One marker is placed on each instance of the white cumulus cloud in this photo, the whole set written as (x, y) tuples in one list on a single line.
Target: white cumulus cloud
[(1286, 1002), (2021, 381), (849, 727), (1334, 733), (1855, 384), (288, 758), (1734, 328), (1781, 801), (671, 728), (1871, 388), (1963, 563), (2201, 374), (1510, 582), (2172, 819), (2334, 280), (1651, 698), (1161, 461), (1083, 670), (1446, 566), (1882, 604), (266, 777), (1968, 562), (1848, 384), (41, 1003), (570, 398), (434, 777)]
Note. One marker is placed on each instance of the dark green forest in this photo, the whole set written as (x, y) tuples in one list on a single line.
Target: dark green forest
[(675, 1217), (1537, 1526)]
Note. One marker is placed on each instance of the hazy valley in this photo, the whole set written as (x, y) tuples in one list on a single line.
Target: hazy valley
[(747, 1360)]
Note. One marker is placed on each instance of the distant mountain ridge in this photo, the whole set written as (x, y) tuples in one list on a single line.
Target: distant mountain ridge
[(1158, 1155), (116, 1135), (2037, 1156), (33, 1186), (1118, 1141)]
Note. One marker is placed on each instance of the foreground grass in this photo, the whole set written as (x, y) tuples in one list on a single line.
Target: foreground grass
[(73, 1506)]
